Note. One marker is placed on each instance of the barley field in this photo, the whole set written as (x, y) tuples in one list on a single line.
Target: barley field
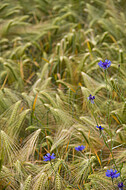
[(62, 94)]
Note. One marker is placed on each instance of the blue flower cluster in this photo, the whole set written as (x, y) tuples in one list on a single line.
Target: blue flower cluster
[(113, 174), (110, 173), (49, 157), (79, 148), (105, 64), (91, 98), (120, 186), (100, 128)]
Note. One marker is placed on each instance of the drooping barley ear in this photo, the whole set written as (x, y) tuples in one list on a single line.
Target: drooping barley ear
[(40, 182), (27, 184), (58, 182), (14, 112)]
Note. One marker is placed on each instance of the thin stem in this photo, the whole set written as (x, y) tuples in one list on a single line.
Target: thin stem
[(108, 106), (52, 167), (107, 95), (92, 112), (110, 151)]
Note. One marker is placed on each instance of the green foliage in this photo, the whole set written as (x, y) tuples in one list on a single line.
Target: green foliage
[(49, 54)]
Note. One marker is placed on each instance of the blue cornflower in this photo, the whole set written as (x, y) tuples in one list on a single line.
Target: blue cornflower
[(91, 98), (79, 148), (100, 128), (112, 174), (120, 186), (105, 64), (49, 157)]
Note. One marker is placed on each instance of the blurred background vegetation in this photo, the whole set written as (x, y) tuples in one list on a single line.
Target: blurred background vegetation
[(49, 54)]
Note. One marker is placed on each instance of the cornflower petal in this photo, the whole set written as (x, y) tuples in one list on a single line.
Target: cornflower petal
[(76, 149), (92, 101), (100, 63), (117, 175), (48, 154)]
